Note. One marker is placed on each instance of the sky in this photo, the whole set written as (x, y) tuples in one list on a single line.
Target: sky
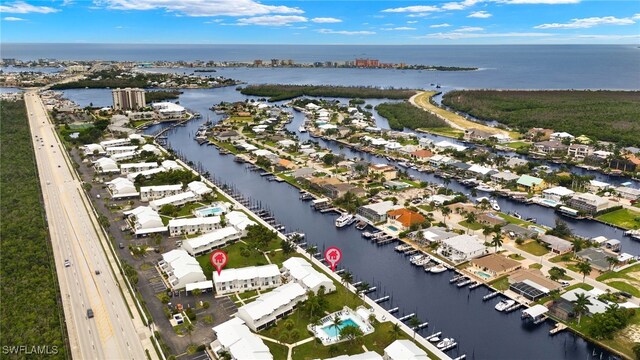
[(321, 22)]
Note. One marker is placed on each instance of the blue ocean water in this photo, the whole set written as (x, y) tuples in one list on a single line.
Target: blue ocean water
[(502, 66)]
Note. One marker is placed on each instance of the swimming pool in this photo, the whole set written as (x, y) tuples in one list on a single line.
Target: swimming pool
[(483, 274), (392, 228), (210, 211), (332, 331)]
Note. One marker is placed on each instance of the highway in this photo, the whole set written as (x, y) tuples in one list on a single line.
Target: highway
[(111, 333)]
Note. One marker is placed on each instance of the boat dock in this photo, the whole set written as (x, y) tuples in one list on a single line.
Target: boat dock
[(490, 296), (406, 317), (559, 327), (433, 335), (382, 299)]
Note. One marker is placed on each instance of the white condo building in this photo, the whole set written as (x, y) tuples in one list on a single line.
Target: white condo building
[(270, 307), (144, 220), (115, 142), (177, 200), (128, 99), (404, 350), (181, 269), (113, 150), (121, 188), (235, 338), (190, 226), (302, 272), (149, 193), (211, 240), (106, 165), (137, 167), (246, 279)]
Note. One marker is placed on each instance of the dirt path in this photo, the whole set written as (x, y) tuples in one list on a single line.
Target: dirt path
[(456, 121)]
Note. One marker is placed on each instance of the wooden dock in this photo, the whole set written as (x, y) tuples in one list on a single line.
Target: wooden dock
[(559, 327)]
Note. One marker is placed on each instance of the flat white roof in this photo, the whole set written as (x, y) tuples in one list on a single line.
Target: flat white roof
[(173, 198), (405, 350), (161, 188), (212, 220), (301, 270), (202, 285), (139, 165), (559, 191), (208, 238), (247, 273), (369, 355), (241, 343), (464, 243), (269, 302)]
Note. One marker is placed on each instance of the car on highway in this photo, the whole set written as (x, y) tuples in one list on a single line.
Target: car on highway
[(67, 263), (89, 313)]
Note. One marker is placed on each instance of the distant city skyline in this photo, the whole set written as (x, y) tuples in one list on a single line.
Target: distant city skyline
[(327, 22)]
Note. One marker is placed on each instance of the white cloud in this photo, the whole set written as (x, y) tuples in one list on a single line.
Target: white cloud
[(413, 9), (325, 20), (460, 5), (548, 2), (21, 7), (479, 14), (412, 21), (456, 35), (586, 23), (469, 29), (400, 28), (439, 25), (12, 18), (202, 7), (272, 20), (345, 32), (636, 16)]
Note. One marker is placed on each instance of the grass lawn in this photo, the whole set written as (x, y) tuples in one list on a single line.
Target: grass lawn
[(516, 257), (248, 294), (188, 208), (240, 119), (278, 351), (501, 283), (444, 131), (624, 277), (534, 248), (278, 257), (584, 286), (625, 218), (518, 145), (535, 266), (512, 220), (235, 259), (472, 226)]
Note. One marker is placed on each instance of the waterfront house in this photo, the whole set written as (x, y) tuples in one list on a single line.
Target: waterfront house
[(596, 186), (596, 257), (149, 193), (301, 271), (190, 226), (404, 350), (387, 172), (494, 265), (440, 160), (557, 193), (392, 146), (588, 203), (628, 193), (490, 219), (248, 278), (539, 134), (444, 145), (531, 284), (403, 218), (602, 154), (376, 212), (504, 177), (121, 188), (175, 200), (284, 164), (212, 240), (556, 244), (500, 138), (560, 136), (551, 147), (476, 135), (181, 269), (137, 167), (433, 234), (596, 306), (422, 155), (274, 305), (106, 165), (234, 338), (530, 183), (303, 173), (425, 142), (480, 171), (228, 136), (518, 232), (579, 151), (514, 162), (409, 149), (335, 191), (462, 248), (562, 309), (631, 163)]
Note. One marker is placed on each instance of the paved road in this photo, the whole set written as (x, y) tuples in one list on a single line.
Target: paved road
[(112, 333)]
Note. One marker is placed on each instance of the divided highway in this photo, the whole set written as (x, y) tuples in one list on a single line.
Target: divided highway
[(88, 282)]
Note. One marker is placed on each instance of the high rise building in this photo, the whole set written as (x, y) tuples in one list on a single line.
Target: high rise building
[(128, 99)]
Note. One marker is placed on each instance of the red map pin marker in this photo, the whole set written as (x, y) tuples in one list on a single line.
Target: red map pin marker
[(218, 259), (333, 255)]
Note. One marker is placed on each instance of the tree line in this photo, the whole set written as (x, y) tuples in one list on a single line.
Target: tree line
[(31, 311), (278, 92), (601, 115), (404, 115)]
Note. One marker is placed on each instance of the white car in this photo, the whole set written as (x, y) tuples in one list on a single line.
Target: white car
[(67, 263)]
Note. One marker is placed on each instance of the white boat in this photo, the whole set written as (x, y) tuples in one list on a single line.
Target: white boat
[(494, 205), (445, 342), (403, 164), (485, 188), (435, 339), (504, 304), (438, 269), (302, 129), (344, 219), (415, 258), (517, 216)]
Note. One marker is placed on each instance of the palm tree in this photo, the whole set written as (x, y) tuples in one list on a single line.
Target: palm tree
[(413, 323), (312, 250), (188, 328), (497, 241), (336, 322), (347, 278), (196, 293), (446, 182), (395, 331), (580, 305), (486, 231), (584, 268), (471, 218), (446, 211), (613, 261)]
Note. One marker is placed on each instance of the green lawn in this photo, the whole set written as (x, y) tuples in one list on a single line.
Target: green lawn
[(583, 286), (501, 283), (518, 145), (535, 266), (444, 131), (516, 257), (187, 209), (235, 259), (625, 218), (472, 226), (622, 275), (512, 220), (534, 248), (278, 351)]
